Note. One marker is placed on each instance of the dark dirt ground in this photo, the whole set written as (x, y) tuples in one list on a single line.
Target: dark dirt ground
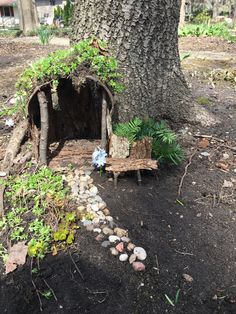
[(196, 237)]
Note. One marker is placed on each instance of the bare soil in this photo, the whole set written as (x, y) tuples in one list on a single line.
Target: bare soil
[(195, 236)]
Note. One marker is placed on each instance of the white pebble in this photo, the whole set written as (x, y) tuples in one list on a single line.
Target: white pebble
[(97, 230), (140, 253), (113, 238), (123, 257)]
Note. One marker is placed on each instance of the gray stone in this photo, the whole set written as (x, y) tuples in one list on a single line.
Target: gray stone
[(89, 228), (106, 244), (132, 258), (125, 239)]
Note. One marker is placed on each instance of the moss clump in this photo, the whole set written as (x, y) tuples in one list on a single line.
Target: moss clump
[(88, 56), (203, 101)]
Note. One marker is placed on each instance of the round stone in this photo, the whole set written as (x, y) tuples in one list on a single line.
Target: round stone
[(95, 207), (107, 231), (98, 230), (138, 266), (114, 251), (106, 211), (113, 238), (121, 232), (106, 244), (130, 246), (94, 190), (140, 253), (125, 239), (123, 257)]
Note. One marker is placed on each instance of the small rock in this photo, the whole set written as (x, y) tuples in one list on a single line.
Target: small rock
[(95, 207), (102, 205), (107, 231), (227, 184), (132, 258), (187, 278), (96, 221), (113, 238), (106, 211), (89, 228), (98, 230), (98, 199), (199, 215), (99, 237), (114, 251), (205, 154), (81, 208), (121, 232), (3, 174), (130, 246), (125, 239), (106, 244), (120, 247), (226, 156), (94, 190), (109, 218), (140, 253), (123, 257), (138, 266), (87, 222)]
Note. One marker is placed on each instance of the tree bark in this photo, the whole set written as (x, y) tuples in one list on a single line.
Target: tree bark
[(28, 15), (43, 145), (143, 36)]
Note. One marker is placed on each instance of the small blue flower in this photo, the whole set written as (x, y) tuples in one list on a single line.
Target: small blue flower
[(99, 157)]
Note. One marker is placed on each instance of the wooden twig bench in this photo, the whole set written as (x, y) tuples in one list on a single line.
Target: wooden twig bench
[(118, 165)]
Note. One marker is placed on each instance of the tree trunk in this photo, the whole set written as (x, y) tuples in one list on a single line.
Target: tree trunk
[(28, 15), (182, 14), (143, 36), (215, 9), (43, 145)]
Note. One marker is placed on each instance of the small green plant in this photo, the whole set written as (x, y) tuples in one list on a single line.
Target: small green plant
[(44, 34), (171, 302), (164, 146), (203, 101), (207, 29), (3, 253), (31, 197), (47, 294), (202, 17)]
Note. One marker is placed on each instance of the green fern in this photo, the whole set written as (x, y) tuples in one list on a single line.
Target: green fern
[(130, 130), (164, 148)]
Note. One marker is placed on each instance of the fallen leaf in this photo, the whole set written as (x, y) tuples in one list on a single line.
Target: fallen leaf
[(204, 143), (17, 256)]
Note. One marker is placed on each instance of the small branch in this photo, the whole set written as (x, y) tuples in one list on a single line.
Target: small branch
[(35, 287), (43, 145), (184, 253), (77, 268), (157, 263), (93, 78), (50, 288), (2, 190), (186, 171)]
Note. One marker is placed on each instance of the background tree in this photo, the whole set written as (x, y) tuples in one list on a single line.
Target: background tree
[(28, 15), (143, 36)]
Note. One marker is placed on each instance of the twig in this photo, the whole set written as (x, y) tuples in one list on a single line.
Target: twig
[(184, 253), (2, 189), (50, 288), (35, 287), (157, 263), (186, 171), (76, 266)]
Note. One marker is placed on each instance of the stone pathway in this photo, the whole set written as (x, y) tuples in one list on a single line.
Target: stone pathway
[(96, 218)]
